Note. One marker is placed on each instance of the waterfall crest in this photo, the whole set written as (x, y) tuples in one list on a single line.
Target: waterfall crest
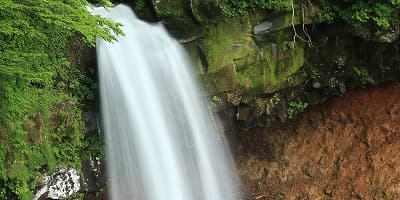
[(162, 142)]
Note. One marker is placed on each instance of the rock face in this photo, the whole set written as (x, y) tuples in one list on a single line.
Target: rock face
[(92, 120), (347, 148), (236, 62), (255, 58), (94, 176)]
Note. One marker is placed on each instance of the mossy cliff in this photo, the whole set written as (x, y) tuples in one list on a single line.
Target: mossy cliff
[(235, 62), (276, 58)]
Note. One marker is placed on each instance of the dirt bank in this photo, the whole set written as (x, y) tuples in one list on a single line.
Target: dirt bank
[(347, 148)]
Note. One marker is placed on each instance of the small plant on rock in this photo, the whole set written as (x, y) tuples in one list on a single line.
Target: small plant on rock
[(363, 75), (341, 63), (215, 101), (296, 107)]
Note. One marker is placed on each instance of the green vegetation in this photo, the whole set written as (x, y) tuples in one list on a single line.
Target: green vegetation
[(384, 69), (380, 13), (314, 74), (363, 75), (295, 107), (360, 14), (376, 16), (139, 5), (340, 63), (215, 101), (41, 86), (239, 7), (276, 98)]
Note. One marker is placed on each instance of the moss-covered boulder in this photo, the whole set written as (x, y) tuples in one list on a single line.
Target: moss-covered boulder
[(225, 42), (236, 62)]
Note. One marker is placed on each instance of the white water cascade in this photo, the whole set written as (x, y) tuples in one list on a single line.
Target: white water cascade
[(162, 141)]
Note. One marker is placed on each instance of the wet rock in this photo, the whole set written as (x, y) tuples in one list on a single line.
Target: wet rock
[(94, 177), (91, 119), (263, 28), (88, 57)]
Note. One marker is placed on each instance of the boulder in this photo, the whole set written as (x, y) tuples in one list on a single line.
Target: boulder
[(237, 62), (61, 184)]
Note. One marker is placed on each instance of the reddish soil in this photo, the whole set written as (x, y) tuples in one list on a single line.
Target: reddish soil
[(347, 148)]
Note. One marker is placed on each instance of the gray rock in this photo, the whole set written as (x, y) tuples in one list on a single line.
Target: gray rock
[(262, 28), (91, 119), (282, 21), (316, 85), (94, 177), (61, 184)]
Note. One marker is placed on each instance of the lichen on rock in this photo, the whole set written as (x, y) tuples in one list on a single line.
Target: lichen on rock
[(61, 184)]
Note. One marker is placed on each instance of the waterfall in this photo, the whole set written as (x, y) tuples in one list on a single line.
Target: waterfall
[(162, 141)]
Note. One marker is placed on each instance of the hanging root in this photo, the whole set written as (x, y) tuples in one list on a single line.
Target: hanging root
[(308, 39)]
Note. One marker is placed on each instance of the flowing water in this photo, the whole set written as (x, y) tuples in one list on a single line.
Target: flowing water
[(162, 141)]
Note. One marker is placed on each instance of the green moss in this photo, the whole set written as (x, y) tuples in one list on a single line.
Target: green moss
[(272, 70), (363, 75), (223, 80), (239, 7), (250, 78), (372, 19), (236, 62), (225, 42)]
